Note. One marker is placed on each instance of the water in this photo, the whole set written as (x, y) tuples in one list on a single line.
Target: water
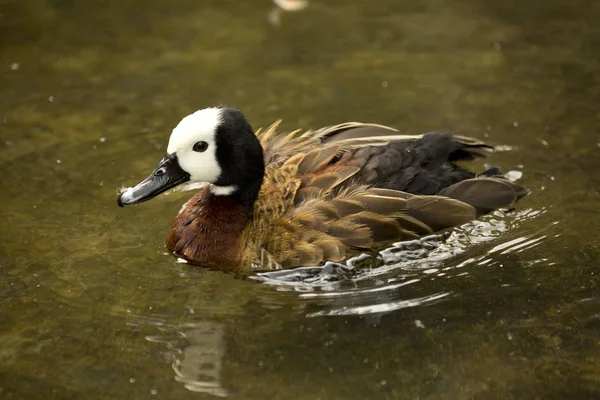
[(505, 307)]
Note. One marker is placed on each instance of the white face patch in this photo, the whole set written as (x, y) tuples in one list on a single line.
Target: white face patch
[(199, 126)]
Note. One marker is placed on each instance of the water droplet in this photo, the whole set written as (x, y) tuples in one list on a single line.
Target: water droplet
[(384, 84), (102, 139), (515, 124), (131, 380), (51, 99), (153, 392), (58, 161), (514, 175), (419, 323), (14, 66)]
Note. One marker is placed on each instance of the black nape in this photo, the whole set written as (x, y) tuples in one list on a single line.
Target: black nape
[(240, 156)]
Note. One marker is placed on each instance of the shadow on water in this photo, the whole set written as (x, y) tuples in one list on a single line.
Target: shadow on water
[(92, 307)]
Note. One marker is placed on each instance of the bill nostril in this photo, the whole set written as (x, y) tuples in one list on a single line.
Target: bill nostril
[(160, 171)]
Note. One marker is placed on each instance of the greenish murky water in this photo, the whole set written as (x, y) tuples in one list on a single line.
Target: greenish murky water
[(91, 307)]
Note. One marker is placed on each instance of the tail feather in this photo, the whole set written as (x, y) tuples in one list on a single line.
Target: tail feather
[(469, 148), (485, 194)]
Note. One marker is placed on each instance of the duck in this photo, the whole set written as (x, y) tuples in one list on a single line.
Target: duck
[(272, 200)]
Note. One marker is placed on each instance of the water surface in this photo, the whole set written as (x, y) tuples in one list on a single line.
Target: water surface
[(92, 307)]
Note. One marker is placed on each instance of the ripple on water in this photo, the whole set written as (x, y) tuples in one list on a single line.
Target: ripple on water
[(400, 276)]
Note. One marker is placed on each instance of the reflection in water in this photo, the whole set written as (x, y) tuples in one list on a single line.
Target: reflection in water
[(195, 351), (377, 308), (393, 279), (517, 245), (198, 364)]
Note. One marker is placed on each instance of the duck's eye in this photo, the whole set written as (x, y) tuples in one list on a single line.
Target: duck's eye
[(200, 146)]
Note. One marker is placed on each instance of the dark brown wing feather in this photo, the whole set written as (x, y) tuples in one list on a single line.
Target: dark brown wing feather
[(439, 212), (485, 194)]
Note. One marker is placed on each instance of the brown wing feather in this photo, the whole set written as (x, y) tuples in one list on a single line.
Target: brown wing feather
[(384, 229), (440, 212), (485, 194), (413, 225), (316, 160), (381, 204), (347, 206), (304, 194), (328, 180)]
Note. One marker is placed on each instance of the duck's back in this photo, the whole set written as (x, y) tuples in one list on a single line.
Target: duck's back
[(417, 164), (357, 186)]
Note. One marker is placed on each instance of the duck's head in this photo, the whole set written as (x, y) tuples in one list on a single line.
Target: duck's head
[(216, 146)]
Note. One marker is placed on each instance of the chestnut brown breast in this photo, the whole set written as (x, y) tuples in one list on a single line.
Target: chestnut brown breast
[(209, 230)]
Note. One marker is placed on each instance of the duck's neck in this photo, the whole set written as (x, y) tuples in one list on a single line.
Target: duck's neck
[(209, 228)]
